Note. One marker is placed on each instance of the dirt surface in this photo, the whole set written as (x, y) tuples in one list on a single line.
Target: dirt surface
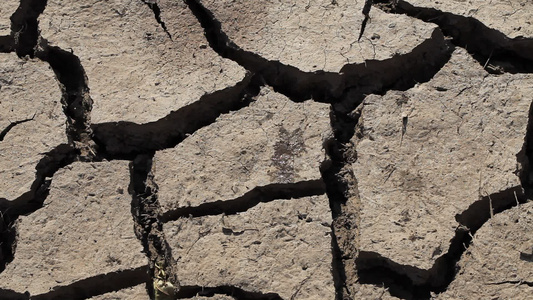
[(307, 149), (423, 158), (7, 8)]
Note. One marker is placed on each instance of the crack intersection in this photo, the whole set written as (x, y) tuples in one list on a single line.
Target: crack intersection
[(345, 91)]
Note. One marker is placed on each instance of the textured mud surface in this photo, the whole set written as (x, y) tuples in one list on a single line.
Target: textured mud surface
[(158, 149)]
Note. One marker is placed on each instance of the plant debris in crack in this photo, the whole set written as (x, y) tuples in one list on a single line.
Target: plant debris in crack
[(149, 229), (76, 101)]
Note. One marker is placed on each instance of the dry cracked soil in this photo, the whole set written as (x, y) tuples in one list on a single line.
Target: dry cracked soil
[(239, 149)]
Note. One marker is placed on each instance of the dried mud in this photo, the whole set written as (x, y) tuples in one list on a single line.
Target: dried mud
[(197, 149)]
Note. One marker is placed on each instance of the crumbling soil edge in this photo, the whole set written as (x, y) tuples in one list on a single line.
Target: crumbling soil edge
[(148, 226), (76, 100)]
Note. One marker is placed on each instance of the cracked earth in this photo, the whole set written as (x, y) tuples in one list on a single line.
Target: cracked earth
[(199, 149)]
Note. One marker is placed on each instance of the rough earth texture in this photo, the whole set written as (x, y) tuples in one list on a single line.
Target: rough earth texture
[(306, 149), (29, 95), (83, 230), (423, 157)]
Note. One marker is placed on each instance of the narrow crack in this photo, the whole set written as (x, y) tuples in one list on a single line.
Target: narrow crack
[(12, 125), (126, 139), (97, 285), (496, 52), (261, 194), (11, 210), (149, 228), (232, 291), (514, 282), (76, 101), (25, 26), (152, 4), (400, 279), (366, 13)]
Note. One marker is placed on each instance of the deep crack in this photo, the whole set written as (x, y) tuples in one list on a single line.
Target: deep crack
[(372, 266), (148, 226), (345, 91), (373, 76), (496, 52), (126, 139), (7, 44), (25, 26), (76, 101), (12, 295)]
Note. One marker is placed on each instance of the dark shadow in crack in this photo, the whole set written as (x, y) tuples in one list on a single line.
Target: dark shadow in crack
[(148, 226), (525, 158), (32, 200), (12, 295), (126, 139), (75, 99), (380, 271), (408, 282), (25, 26), (97, 285), (157, 14), (232, 291), (261, 194), (7, 44), (285, 79), (329, 87), (496, 52)]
